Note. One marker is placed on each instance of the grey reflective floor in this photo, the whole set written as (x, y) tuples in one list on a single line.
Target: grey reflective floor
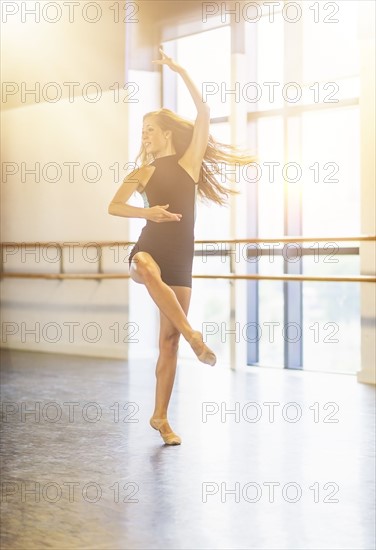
[(86, 471)]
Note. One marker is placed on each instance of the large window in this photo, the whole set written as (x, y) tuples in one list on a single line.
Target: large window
[(315, 131), (320, 133)]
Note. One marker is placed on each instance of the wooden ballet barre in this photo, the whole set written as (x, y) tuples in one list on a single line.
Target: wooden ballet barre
[(348, 279), (291, 239), (284, 239), (101, 276)]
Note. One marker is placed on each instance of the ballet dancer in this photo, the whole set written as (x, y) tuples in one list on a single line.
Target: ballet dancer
[(174, 168)]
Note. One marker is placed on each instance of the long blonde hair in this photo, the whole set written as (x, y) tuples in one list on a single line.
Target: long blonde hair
[(216, 152)]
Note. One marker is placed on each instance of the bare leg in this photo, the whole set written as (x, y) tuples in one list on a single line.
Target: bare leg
[(166, 367), (145, 270), (168, 353)]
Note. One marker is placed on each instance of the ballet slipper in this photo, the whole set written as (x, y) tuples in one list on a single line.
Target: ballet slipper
[(170, 438), (205, 354)]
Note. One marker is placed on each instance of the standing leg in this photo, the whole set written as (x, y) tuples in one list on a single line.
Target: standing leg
[(166, 368)]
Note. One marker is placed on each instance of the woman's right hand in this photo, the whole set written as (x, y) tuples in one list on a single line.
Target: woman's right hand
[(166, 60), (159, 214)]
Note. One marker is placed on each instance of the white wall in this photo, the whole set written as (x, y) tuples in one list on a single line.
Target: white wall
[(37, 130)]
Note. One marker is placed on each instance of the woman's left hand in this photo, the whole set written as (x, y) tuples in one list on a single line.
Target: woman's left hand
[(169, 62)]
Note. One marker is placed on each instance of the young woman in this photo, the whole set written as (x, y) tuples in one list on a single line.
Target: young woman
[(174, 168)]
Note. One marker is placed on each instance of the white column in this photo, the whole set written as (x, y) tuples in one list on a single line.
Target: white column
[(238, 204), (367, 373)]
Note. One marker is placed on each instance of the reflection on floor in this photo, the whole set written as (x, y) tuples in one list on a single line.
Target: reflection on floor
[(85, 469)]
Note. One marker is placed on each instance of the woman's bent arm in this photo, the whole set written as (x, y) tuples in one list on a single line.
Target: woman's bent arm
[(127, 211), (131, 183), (118, 206)]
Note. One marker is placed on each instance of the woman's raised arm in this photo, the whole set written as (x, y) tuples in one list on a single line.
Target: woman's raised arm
[(195, 152)]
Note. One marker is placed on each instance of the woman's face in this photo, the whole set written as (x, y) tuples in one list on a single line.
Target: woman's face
[(153, 138)]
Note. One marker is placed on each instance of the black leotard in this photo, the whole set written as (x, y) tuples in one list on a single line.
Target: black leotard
[(171, 244)]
